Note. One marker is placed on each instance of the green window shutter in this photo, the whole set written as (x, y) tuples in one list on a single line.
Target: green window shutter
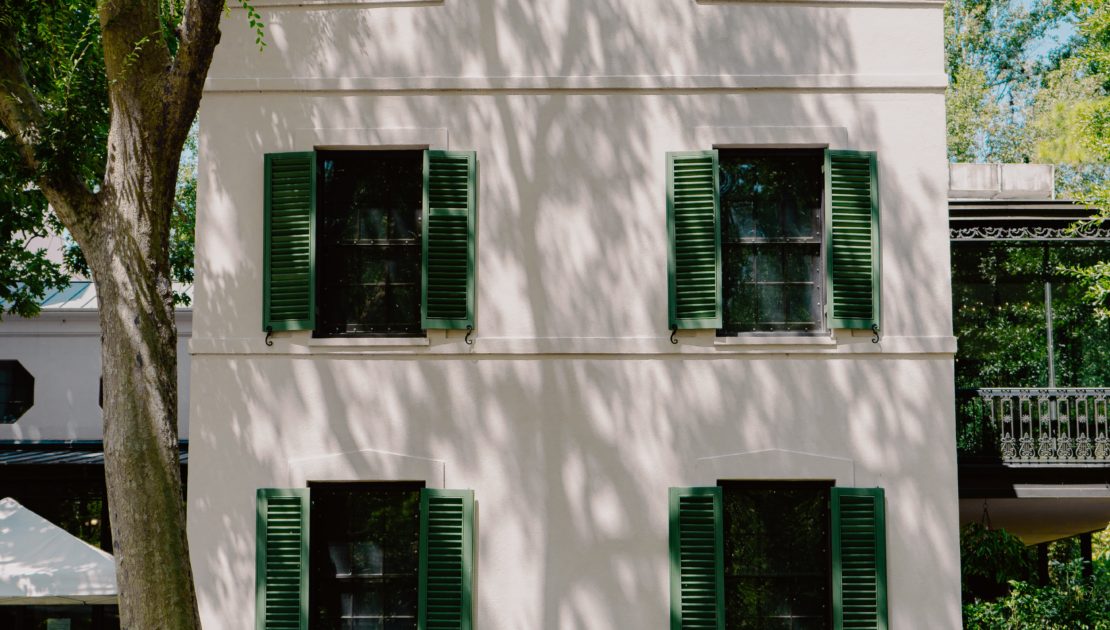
[(859, 559), (697, 559), (693, 223), (446, 559), (450, 219), (281, 554), (852, 239), (289, 282)]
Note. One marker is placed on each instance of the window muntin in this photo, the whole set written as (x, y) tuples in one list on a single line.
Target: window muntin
[(364, 556), (368, 246), (771, 234), (777, 559)]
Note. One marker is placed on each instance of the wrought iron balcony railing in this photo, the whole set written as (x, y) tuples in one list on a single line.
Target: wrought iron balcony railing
[(1047, 426)]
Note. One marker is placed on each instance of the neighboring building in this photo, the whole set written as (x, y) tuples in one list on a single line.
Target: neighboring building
[(441, 248), (51, 425), (1033, 368)]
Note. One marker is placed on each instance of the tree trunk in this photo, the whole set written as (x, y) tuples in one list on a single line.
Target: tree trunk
[(122, 226), (141, 463), (130, 264)]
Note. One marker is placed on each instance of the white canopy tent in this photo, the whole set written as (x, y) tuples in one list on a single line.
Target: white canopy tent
[(43, 565)]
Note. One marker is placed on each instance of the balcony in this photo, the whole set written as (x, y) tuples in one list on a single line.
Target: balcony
[(1036, 426)]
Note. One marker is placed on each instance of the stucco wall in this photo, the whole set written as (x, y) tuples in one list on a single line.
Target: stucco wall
[(572, 413)]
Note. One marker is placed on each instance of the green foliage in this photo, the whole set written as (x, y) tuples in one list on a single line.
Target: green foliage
[(1069, 602), (998, 299), (64, 62), (255, 22), (996, 70), (1000, 586), (990, 559), (60, 45)]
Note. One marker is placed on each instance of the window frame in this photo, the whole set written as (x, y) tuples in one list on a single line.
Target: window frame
[(314, 542), (413, 329), (819, 274), (822, 486)]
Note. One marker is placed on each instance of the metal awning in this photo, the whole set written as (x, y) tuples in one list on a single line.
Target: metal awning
[(72, 452), (1030, 220)]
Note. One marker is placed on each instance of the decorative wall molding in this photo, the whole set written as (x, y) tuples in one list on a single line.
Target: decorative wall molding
[(1087, 232), (772, 137), (682, 83), (774, 464), (371, 138), (452, 345), (366, 465)]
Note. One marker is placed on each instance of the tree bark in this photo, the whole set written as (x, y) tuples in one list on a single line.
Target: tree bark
[(123, 229)]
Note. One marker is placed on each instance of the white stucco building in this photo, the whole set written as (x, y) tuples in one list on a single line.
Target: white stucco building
[(385, 174)]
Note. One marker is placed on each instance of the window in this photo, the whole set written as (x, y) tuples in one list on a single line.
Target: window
[(795, 249), (17, 391), (771, 240), (776, 562), (786, 555), (364, 554), (368, 218), (369, 242), (358, 556)]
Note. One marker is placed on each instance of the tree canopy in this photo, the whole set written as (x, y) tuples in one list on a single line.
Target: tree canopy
[(63, 60)]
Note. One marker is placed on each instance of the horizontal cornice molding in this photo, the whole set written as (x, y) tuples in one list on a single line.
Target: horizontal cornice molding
[(646, 83), (494, 347)]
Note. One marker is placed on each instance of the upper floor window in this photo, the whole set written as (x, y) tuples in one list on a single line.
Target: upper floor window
[(773, 240), (369, 242)]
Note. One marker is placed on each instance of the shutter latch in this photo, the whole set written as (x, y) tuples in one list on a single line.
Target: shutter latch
[(875, 330), (674, 339), (269, 335)]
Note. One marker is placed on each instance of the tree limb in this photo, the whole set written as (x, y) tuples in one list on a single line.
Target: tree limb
[(200, 32), (23, 119)]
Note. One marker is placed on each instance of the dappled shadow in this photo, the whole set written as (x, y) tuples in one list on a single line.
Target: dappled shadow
[(571, 455)]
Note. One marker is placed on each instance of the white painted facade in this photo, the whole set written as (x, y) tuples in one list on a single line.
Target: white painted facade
[(572, 413), (61, 349)]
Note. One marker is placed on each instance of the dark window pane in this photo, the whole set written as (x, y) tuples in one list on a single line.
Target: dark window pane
[(777, 559), (368, 243), (771, 239), (364, 555), (17, 391)]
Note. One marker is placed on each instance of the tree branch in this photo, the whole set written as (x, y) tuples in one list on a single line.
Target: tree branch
[(23, 119), (200, 32)]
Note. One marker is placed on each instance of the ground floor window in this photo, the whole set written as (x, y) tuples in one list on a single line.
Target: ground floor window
[(777, 562), (364, 556)]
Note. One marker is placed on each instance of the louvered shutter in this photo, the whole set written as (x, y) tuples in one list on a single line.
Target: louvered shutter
[(289, 283), (450, 214), (852, 239), (693, 222), (446, 559), (859, 559), (697, 559), (281, 573)]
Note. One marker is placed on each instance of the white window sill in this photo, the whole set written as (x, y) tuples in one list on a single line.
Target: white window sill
[(368, 342), (776, 340)]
